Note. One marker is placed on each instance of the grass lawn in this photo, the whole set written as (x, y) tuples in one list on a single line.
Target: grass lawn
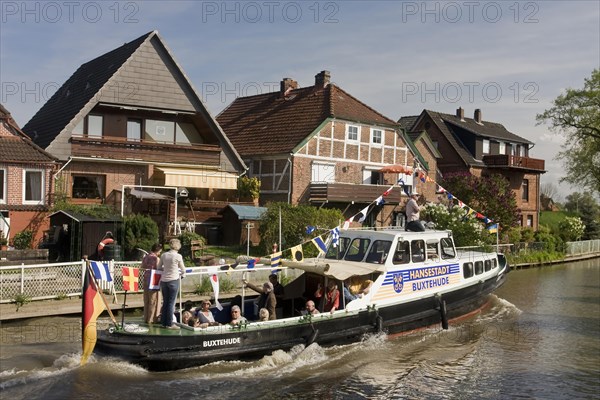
[(552, 218)]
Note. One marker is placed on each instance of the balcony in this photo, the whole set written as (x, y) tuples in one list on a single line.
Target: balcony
[(508, 161), (348, 193), (123, 149)]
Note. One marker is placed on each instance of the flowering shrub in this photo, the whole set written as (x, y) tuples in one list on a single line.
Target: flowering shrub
[(571, 228), (467, 231)]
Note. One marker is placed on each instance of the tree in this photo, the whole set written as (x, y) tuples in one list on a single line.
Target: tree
[(294, 220), (576, 115), (588, 210), (490, 195), (140, 231)]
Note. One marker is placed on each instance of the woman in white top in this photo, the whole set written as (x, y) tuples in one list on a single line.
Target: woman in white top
[(171, 263)]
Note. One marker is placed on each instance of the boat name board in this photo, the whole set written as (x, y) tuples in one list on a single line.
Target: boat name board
[(418, 279), (220, 342)]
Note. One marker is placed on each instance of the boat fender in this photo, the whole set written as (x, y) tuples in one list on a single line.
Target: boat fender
[(312, 337), (444, 314), (379, 324)]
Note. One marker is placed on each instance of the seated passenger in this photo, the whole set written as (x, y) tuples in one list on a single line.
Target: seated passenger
[(332, 296), (310, 308), (185, 317), (348, 297), (359, 286), (236, 316), (193, 322), (205, 316), (263, 314)]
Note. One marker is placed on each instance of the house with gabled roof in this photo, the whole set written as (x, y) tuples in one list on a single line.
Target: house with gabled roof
[(131, 119), (320, 145), (482, 147), (26, 181)]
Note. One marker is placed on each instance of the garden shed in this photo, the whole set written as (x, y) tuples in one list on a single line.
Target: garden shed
[(238, 221), (74, 235)]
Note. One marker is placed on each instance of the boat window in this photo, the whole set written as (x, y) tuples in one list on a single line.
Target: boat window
[(357, 249), (337, 253), (417, 248), (432, 250), (494, 263), (468, 270), (402, 253), (379, 251), (487, 265), (447, 248), (478, 267)]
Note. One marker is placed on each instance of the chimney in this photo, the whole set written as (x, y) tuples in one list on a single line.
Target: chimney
[(460, 113), (477, 116), (287, 85), (322, 79)]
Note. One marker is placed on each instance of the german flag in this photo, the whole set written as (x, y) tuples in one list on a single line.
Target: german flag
[(92, 306)]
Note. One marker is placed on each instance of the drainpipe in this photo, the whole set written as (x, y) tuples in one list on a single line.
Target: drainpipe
[(290, 181)]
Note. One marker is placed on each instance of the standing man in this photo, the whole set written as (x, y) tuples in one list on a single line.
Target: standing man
[(413, 214), (151, 296)]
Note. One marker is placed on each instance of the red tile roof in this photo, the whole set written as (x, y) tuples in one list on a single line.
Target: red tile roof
[(271, 123)]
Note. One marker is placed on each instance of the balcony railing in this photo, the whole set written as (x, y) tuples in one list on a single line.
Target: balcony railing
[(508, 161), (348, 192), (123, 149)]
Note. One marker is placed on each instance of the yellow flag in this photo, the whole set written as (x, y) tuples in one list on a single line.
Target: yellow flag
[(297, 254)]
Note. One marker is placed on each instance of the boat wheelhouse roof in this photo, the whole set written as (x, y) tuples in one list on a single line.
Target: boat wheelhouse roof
[(343, 269)]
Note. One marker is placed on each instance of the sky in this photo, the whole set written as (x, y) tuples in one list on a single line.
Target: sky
[(510, 59)]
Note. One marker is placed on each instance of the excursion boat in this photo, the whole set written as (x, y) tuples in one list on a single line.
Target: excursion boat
[(413, 280)]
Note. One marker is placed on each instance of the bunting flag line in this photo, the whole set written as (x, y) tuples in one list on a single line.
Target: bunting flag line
[(276, 260), (492, 228), (335, 237), (297, 253), (347, 223), (92, 308), (319, 244), (214, 281), (130, 279), (155, 276), (251, 263), (364, 213), (101, 271), (380, 200), (310, 229)]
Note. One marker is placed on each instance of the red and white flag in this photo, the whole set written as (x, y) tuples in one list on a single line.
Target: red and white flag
[(130, 279), (155, 276), (214, 280)]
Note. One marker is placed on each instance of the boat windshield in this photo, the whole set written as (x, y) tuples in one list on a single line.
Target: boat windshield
[(379, 251), (337, 253), (447, 246), (358, 249)]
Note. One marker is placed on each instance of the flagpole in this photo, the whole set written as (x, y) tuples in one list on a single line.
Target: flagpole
[(123, 313), (497, 238), (95, 284)]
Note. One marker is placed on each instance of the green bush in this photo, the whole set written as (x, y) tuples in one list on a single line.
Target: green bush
[(22, 240), (140, 232), (527, 235), (571, 228), (248, 187), (466, 231), (186, 242)]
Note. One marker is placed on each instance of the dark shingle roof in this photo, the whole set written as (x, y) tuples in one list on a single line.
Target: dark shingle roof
[(408, 122), (271, 123), (18, 147), (76, 92), (487, 129)]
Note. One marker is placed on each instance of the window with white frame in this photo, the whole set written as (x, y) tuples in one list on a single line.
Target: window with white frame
[(134, 130), (33, 186), (377, 136), (94, 128), (486, 146), (522, 150), (3, 186), (501, 148), (512, 148), (352, 133)]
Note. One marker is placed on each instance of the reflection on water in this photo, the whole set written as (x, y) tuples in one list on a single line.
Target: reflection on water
[(539, 339)]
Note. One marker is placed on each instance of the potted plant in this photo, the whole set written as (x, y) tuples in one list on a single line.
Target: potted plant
[(3, 242), (249, 189)]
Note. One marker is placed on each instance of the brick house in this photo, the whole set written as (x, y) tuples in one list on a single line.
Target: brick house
[(26, 181), (320, 145), (480, 147), (132, 117)]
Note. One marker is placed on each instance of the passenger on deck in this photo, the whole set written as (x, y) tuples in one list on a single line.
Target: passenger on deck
[(348, 297), (263, 314), (205, 317), (413, 214), (267, 297), (277, 287), (151, 296), (236, 316), (359, 286), (185, 317), (332, 296), (310, 308)]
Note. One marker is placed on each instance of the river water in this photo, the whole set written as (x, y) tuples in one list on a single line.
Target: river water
[(540, 338)]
